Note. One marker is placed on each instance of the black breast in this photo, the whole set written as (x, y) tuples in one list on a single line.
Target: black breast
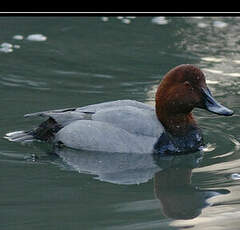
[(170, 144)]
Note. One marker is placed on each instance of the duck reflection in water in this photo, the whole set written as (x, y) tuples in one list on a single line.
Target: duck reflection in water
[(179, 199)]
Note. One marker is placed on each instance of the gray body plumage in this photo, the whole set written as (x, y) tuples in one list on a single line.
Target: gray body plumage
[(117, 126)]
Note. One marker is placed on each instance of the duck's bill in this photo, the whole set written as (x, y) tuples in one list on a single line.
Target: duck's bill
[(211, 105)]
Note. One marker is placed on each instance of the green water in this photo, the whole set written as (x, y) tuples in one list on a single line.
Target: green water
[(85, 60)]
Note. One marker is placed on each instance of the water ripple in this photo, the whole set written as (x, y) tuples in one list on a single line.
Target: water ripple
[(83, 74), (13, 80)]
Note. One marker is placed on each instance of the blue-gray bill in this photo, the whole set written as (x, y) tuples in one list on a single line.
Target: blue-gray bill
[(211, 105)]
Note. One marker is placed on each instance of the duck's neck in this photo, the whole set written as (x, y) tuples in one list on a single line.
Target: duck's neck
[(182, 134), (178, 124)]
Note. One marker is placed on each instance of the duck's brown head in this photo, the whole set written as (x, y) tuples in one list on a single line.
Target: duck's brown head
[(181, 90)]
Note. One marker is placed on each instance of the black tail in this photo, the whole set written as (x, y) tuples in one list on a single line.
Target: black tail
[(44, 132)]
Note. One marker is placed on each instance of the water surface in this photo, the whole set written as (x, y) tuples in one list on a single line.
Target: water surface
[(57, 62)]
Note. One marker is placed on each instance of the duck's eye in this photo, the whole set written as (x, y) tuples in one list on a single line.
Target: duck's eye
[(188, 85)]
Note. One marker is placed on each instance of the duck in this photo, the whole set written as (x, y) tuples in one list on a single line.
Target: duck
[(130, 126)]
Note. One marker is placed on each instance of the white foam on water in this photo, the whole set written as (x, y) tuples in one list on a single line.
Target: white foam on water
[(126, 21), (5, 50), (18, 37), (198, 17), (16, 46), (160, 20), (202, 25), (219, 24), (36, 37), (105, 19), (209, 147), (6, 47)]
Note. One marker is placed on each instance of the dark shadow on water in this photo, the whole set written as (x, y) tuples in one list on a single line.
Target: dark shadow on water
[(179, 199)]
